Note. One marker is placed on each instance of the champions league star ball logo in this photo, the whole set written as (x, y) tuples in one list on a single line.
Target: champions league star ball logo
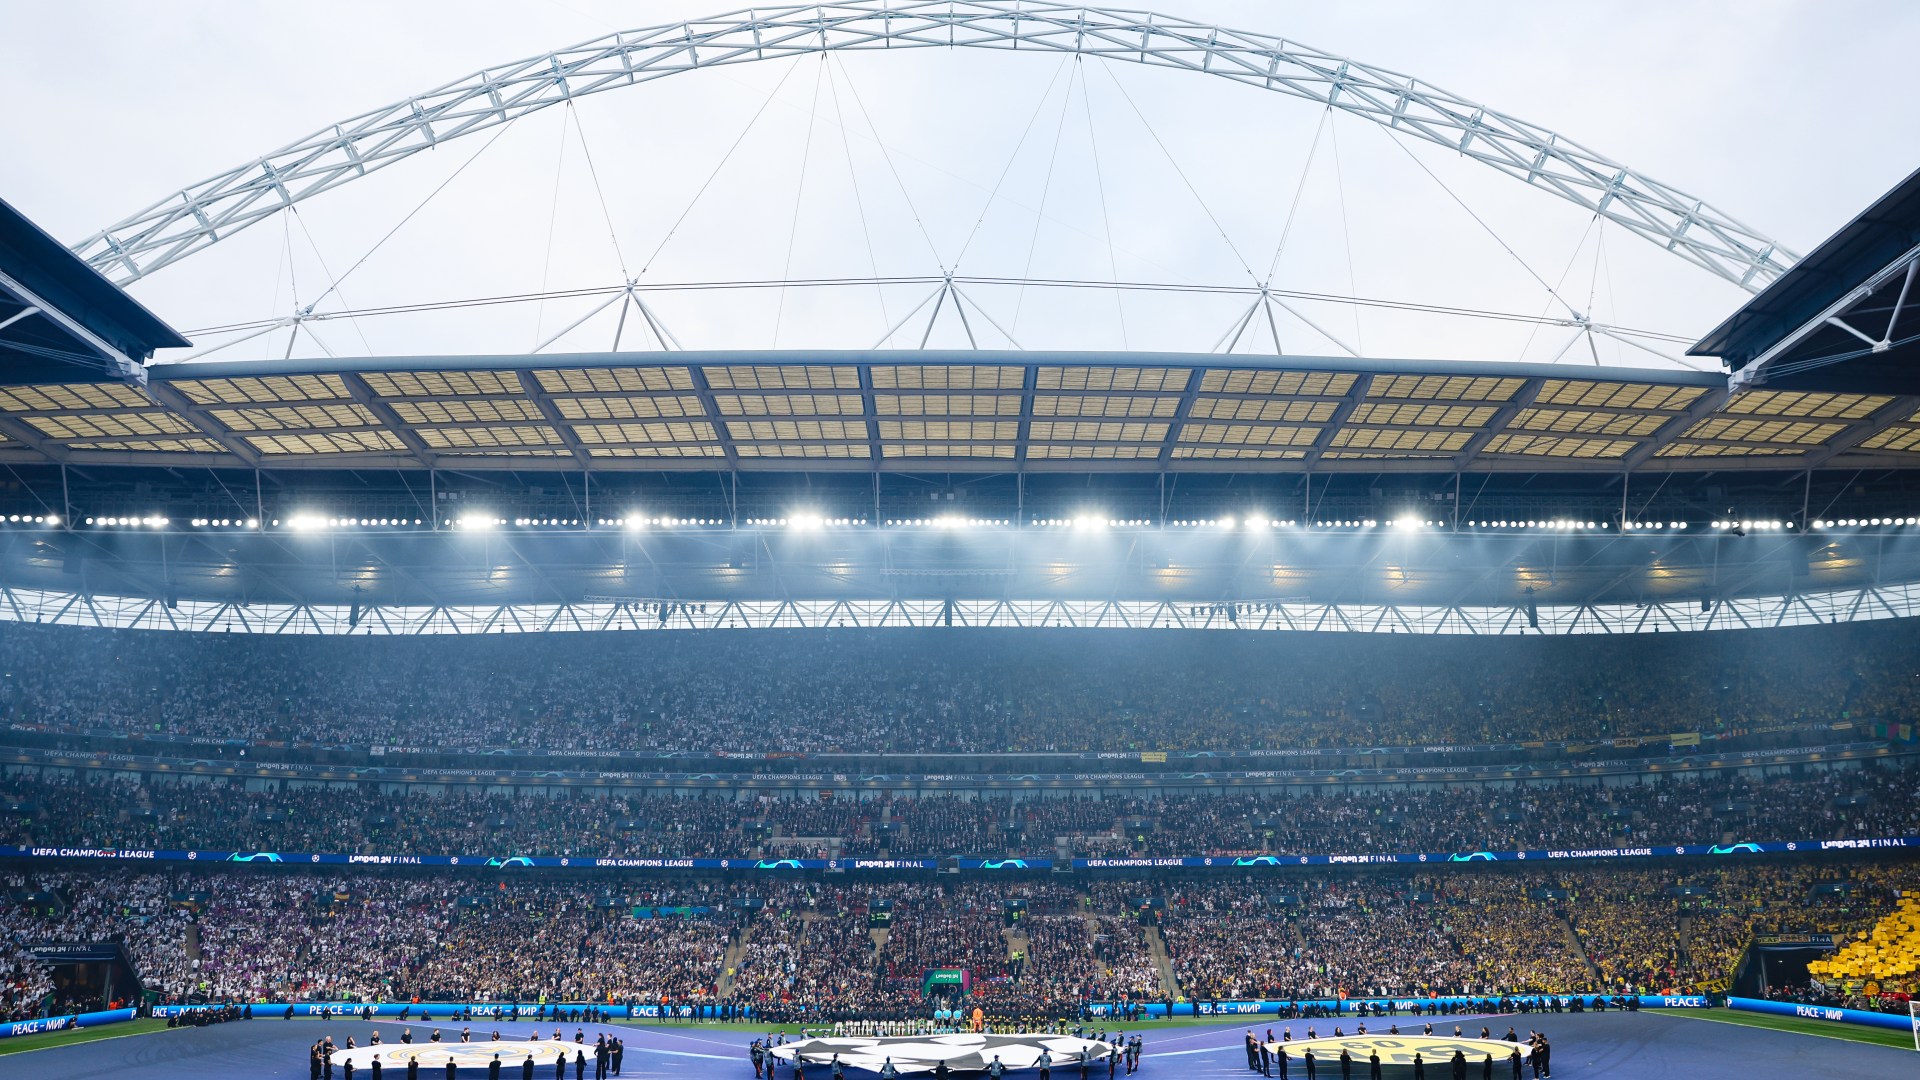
[(962, 1053), (394, 1056), (1397, 1051)]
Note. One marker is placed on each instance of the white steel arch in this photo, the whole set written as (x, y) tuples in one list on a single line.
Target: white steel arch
[(201, 214)]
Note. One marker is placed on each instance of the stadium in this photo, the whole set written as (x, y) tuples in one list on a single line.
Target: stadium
[(842, 560)]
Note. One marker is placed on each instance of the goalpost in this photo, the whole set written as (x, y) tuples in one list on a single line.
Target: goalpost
[(1913, 1020)]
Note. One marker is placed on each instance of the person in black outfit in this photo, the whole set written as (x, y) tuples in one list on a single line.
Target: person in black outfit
[(346, 1069), (1513, 1059), (493, 1068), (375, 1069), (560, 1067), (526, 1067), (413, 1068), (1486, 1071), (619, 1053), (1308, 1058), (1459, 1065), (579, 1065), (1282, 1058), (1346, 1065), (313, 1060), (451, 1071), (1253, 1056), (1419, 1065), (1373, 1065)]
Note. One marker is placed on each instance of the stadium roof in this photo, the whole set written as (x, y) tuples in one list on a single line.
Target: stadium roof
[(59, 319), (1841, 318), (927, 411)]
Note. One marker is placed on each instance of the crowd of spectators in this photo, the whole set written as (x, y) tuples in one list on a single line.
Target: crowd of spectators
[(1772, 900), (1362, 938), (257, 937), (132, 909), (929, 691), (24, 984), (1508, 939), (850, 949), (1875, 801)]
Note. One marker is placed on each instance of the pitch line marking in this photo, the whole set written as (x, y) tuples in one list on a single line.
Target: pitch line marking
[(1783, 1031), (83, 1042)]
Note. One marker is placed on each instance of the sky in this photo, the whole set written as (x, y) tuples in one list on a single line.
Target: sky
[(1790, 117)]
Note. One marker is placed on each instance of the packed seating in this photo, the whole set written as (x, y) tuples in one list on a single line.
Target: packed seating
[(251, 936), (1669, 809), (1889, 951), (931, 691), (805, 946), (135, 910)]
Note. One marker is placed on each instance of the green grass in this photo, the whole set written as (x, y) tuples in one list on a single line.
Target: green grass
[(1799, 1025), (20, 1043)]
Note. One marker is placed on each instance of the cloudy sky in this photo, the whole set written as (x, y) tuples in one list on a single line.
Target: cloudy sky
[(1789, 117)]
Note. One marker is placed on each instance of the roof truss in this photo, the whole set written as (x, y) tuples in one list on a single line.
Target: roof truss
[(919, 412)]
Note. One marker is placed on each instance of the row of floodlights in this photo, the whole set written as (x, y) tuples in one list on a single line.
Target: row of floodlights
[(803, 522), (635, 521), (949, 521), (806, 522), (1550, 524), (310, 522), (1090, 521), (1255, 522)]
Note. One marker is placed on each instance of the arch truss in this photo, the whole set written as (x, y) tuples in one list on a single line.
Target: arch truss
[(636, 614), (201, 214)]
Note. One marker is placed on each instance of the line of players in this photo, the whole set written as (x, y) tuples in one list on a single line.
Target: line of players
[(608, 1053), (1264, 1055)]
